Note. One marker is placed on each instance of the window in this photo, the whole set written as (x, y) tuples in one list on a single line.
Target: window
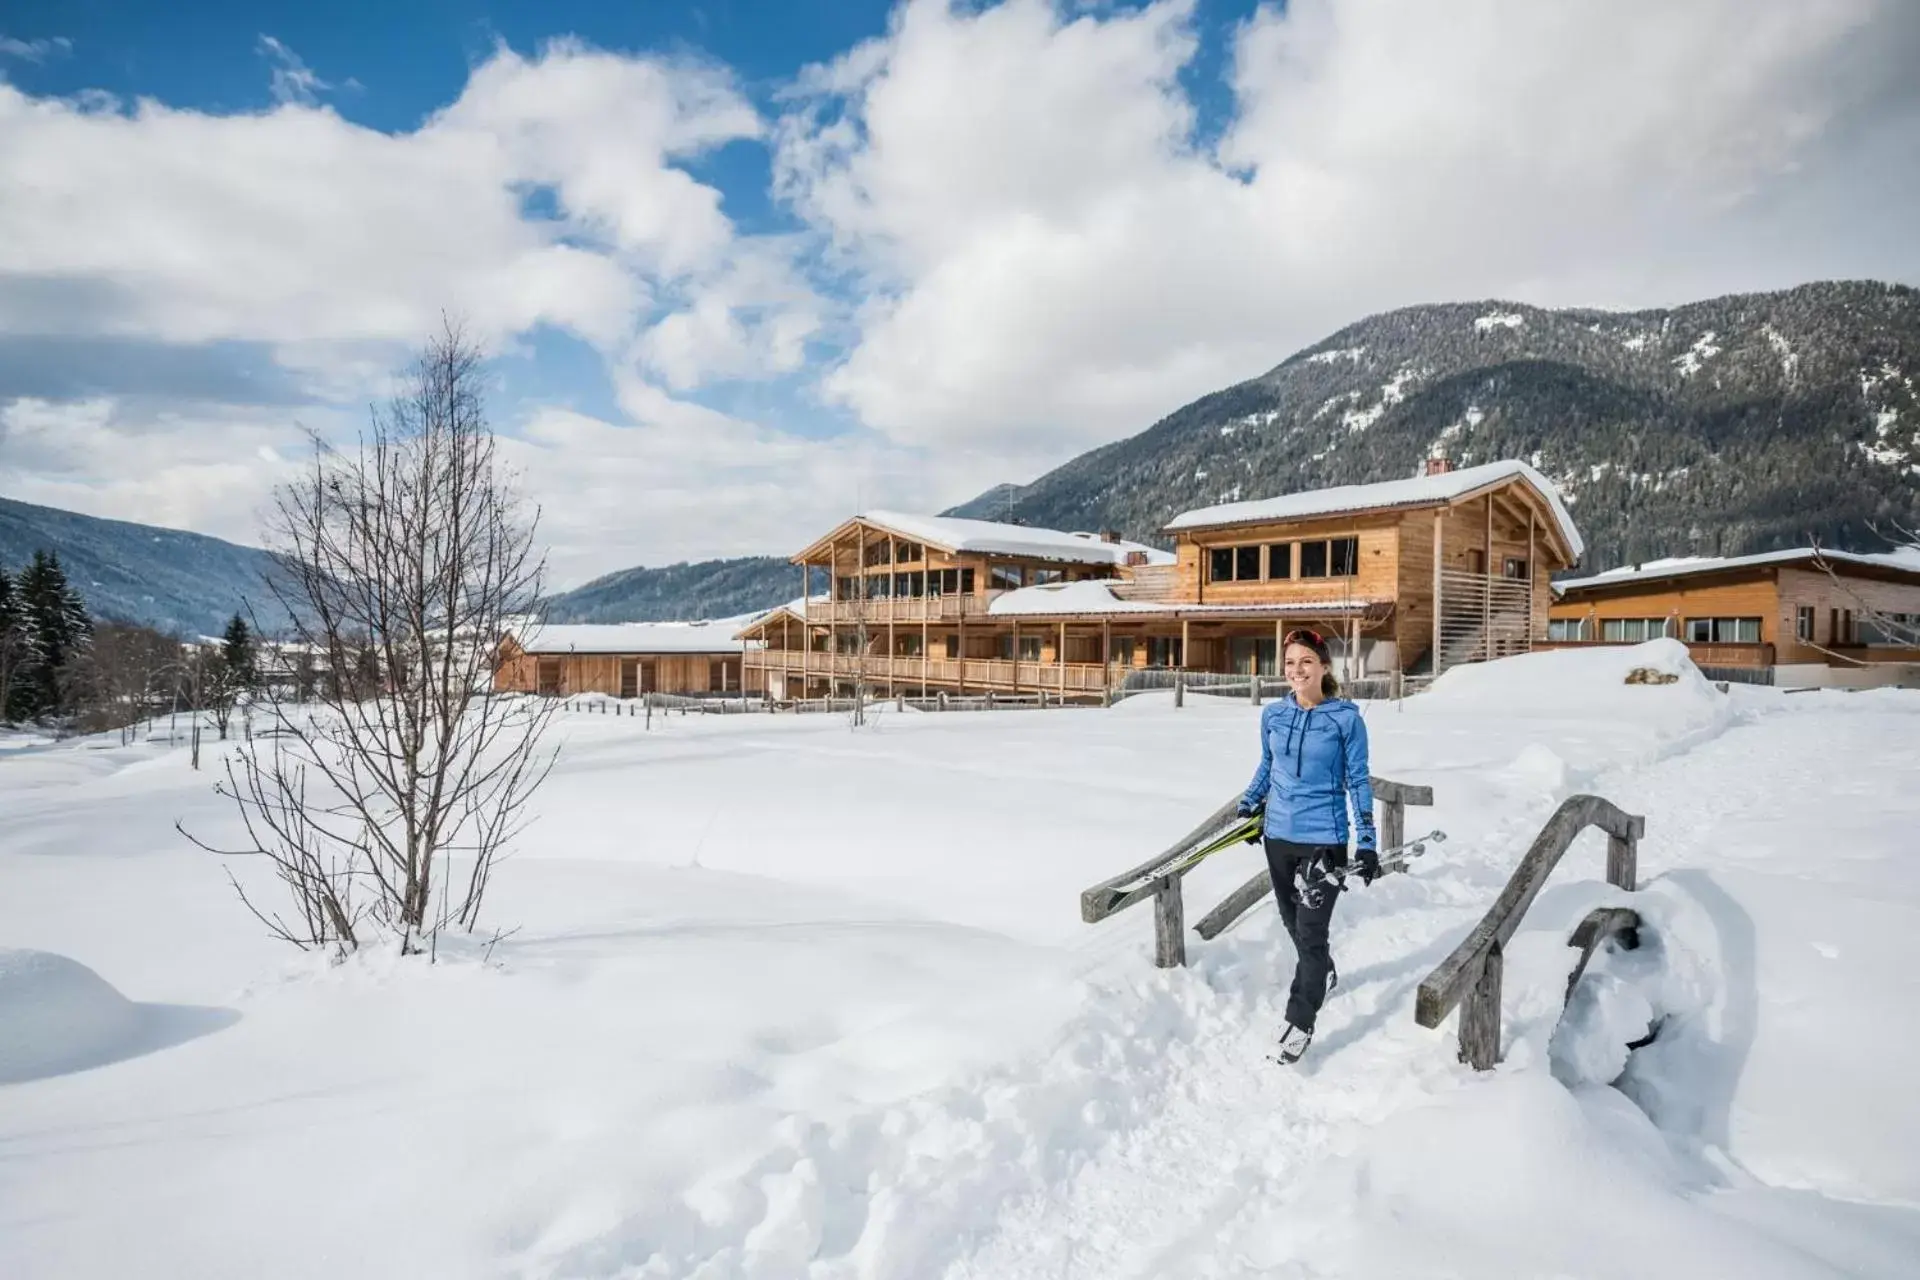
[(1123, 650), (1007, 577), (1846, 626), (1163, 651), (1280, 560), (1567, 629), (1345, 554), (1234, 564), (1803, 623), (1252, 656), (966, 582), (1029, 648), (1723, 630), (1313, 559), (1833, 626), (1515, 567), (1632, 630), (1043, 576), (909, 645), (953, 647)]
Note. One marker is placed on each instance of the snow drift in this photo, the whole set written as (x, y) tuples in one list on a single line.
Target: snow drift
[(57, 1015)]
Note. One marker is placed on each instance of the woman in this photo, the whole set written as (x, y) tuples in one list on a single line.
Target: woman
[(1313, 759)]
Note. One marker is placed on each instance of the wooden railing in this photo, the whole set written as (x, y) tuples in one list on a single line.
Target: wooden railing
[(977, 673), (881, 610), (1157, 879), (1470, 977)]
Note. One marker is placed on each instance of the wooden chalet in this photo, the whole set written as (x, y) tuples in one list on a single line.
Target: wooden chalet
[(1777, 609), (625, 660), (1452, 565)]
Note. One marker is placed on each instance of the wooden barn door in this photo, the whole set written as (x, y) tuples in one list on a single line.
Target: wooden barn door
[(649, 677), (629, 678)]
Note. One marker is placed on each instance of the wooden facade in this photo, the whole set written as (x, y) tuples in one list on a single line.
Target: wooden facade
[(1401, 585), (1759, 612), (626, 674)]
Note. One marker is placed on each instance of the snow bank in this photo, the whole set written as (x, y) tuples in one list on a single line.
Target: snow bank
[(1578, 681), (57, 1016)]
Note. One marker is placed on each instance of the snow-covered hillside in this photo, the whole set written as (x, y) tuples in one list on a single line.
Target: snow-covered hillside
[(787, 999)]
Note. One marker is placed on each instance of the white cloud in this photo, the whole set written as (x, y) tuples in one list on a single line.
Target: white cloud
[(34, 50), (699, 485), (293, 80), (1052, 262), (206, 467)]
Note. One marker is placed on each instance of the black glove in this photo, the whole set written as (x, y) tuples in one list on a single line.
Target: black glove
[(1369, 862), (1246, 809)]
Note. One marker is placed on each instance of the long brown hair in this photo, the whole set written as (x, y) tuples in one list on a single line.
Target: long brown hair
[(1310, 639)]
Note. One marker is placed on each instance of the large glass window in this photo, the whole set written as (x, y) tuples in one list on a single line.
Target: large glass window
[(1567, 629), (1008, 577), (1723, 630), (1280, 560), (1313, 559), (1252, 655), (1163, 651), (1043, 576), (1344, 553), (1246, 563), (1632, 630)]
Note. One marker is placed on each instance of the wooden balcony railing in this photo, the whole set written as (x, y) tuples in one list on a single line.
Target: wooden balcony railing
[(879, 612), (974, 673)]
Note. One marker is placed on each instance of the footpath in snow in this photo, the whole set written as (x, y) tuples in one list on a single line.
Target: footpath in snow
[(790, 999)]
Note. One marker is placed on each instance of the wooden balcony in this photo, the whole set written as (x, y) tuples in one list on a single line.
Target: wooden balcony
[(972, 674), (915, 609)]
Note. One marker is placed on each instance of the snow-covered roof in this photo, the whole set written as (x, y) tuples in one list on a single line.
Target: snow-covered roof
[(713, 636), (1905, 559), (1096, 598), (989, 537), (1414, 492)]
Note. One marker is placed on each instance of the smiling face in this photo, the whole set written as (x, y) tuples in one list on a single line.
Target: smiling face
[(1305, 672)]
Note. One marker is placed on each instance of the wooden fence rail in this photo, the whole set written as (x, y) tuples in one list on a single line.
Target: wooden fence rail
[(1169, 929), (1470, 977)]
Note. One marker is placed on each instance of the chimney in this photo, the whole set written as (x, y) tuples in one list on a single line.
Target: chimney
[(1109, 535), (1136, 558), (1438, 464)]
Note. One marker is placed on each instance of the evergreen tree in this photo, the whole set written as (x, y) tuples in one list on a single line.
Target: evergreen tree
[(57, 631), (13, 648), (237, 647)]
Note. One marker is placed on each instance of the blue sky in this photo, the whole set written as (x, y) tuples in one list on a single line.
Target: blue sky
[(745, 264)]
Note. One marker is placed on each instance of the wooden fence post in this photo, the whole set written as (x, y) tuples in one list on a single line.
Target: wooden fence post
[(1393, 826), (1623, 856), (1253, 689), (1169, 925), (1179, 688), (1480, 1016)]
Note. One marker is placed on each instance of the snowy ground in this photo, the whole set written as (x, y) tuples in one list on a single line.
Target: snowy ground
[(788, 999)]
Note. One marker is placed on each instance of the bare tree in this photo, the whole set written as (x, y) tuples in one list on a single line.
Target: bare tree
[(1902, 630), (403, 561)]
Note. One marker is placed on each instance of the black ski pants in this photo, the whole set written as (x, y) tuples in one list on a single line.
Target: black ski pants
[(1289, 863)]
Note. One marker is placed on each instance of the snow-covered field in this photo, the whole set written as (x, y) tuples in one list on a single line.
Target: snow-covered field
[(788, 999)]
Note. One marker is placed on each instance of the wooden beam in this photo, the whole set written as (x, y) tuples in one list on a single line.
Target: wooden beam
[(1439, 540), (1533, 571), (1062, 656), (1486, 590)]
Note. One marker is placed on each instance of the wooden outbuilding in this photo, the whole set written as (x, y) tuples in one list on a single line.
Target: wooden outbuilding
[(1800, 608), (625, 660)]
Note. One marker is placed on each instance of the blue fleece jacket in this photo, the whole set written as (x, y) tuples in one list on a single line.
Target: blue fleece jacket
[(1312, 760)]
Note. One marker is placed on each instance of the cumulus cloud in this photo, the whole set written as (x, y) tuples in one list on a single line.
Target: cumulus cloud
[(1053, 261)]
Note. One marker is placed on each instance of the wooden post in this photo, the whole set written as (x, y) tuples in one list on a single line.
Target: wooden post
[(1169, 926), (1016, 656), (1186, 655), (1393, 825), (1106, 658), (1486, 590), (1439, 538), (926, 645), (1531, 571), (806, 626), (1062, 655), (893, 608), (1480, 1016), (1179, 688), (1353, 649), (1623, 857), (1253, 679)]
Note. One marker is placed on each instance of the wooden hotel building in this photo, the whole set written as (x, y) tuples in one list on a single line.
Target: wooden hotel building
[(1402, 576)]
